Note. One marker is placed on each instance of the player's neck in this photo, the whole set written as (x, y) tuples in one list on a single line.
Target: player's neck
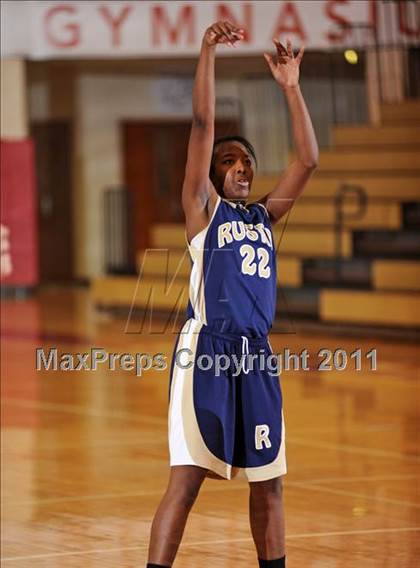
[(237, 201)]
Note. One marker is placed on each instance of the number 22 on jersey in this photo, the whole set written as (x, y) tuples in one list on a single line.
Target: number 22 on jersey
[(250, 265)]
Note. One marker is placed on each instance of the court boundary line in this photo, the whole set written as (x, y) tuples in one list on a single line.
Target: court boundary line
[(309, 486), (349, 448), (82, 411)]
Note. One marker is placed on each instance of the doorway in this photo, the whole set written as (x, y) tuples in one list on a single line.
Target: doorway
[(53, 166)]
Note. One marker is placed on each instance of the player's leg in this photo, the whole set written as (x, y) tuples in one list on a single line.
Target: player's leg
[(265, 444), (266, 515), (171, 516)]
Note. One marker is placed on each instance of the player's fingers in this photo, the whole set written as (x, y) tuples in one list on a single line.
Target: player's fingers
[(237, 35), (218, 28), (220, 34), (289, 48), (281, 50), (270, 61), (227, 32), (234, 29), (300, 54), (215, 31)]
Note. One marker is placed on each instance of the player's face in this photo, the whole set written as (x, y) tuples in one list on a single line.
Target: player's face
[(234, 170)]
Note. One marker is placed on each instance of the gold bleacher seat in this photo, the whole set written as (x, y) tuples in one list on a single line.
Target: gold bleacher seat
[(401, 309), (407, 112), (377, 215), (146, 292), (289, 271), (159, 262), (168, 236), (396, 275), (319, 242), (362, 135), (347, 161)]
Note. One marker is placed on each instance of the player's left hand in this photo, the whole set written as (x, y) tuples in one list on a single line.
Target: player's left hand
[(285, 69)]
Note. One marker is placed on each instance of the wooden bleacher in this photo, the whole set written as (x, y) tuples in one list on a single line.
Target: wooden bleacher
[(368, 160), (365, 136), (406, 113), (370, 307), (385, 162), (396, 275), (385, 215), (140, 292)]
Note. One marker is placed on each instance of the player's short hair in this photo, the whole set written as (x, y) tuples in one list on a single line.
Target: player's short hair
[(233, 138)]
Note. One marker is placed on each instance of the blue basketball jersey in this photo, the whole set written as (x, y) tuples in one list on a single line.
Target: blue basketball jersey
[(233, 274)]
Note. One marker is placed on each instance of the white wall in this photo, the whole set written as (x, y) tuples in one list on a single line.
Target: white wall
[(14, 112), (39, 101)]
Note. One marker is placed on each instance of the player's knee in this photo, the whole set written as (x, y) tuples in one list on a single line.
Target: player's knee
[(268, 491), (185, 494)]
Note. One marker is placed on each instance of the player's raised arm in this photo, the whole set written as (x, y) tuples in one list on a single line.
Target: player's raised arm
[(292, 182), (197, 187)]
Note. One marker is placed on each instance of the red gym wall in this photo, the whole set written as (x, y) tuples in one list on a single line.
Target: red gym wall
[(19, 243)]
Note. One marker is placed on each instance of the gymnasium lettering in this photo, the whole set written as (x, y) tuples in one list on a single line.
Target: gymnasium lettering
[(118, 29)]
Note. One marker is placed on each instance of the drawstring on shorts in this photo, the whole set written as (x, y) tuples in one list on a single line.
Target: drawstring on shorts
[(245, 351), (255, 342)]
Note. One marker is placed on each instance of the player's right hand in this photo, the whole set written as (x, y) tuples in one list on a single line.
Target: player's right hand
[(223, 32)]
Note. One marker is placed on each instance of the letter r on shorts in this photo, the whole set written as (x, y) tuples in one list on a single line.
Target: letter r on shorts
[(261, 435)]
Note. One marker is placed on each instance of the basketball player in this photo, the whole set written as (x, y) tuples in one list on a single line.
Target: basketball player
[(230, 424)]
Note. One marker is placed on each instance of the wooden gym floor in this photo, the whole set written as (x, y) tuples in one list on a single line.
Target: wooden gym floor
[(85, 453)]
